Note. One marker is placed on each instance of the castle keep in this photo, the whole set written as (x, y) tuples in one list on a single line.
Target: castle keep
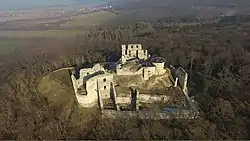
[(138, 82)]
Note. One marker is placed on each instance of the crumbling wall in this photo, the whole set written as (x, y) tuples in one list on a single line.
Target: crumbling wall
[(182, 76), (123, 100), (181, 114), (134, 47), (74, 82), (150, 98), (104, 85), (148, 72), (123, 71), (97, 84), (89, 71), (114, 96), (133, 51), (144, 98), (88, 83), (88, 100), (159, 68), (91, 86)]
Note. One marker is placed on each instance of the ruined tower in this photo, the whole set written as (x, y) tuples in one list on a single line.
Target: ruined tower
[(132, 51)]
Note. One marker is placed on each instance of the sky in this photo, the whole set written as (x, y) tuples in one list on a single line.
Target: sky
[(23, 4)]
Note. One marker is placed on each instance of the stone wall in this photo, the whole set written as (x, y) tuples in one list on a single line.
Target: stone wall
[(191, 113), (92, 80), (95, 85), (133, 51), (159, 68), (104, 85), (123, 100), (182, 114), (144, 98), (182, 76), (91, 87), (88, 71), (74, 82), (123, 71), (88, 100), (150, 98), (114, 96), (148, 72)]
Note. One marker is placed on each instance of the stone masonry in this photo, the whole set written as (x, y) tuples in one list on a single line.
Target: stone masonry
[(96, 85)]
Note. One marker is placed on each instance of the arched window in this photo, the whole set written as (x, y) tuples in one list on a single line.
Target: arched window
[(105, 87), (104, 80)]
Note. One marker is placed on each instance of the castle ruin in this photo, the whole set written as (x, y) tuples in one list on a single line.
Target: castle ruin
[(138, 83)]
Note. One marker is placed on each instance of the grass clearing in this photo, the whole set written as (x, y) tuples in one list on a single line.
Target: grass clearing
[(58, 90), (56, 87)]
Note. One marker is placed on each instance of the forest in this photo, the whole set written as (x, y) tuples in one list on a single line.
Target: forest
[(217, 59)]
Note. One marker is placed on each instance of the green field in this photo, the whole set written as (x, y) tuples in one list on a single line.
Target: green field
[(96, 18), (86, 20), (7, 45), (16, 38), (91, 19)]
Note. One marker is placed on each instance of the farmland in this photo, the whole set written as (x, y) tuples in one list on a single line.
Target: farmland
[(9, 45), (40, 34), (17, 31), (90, 19)]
